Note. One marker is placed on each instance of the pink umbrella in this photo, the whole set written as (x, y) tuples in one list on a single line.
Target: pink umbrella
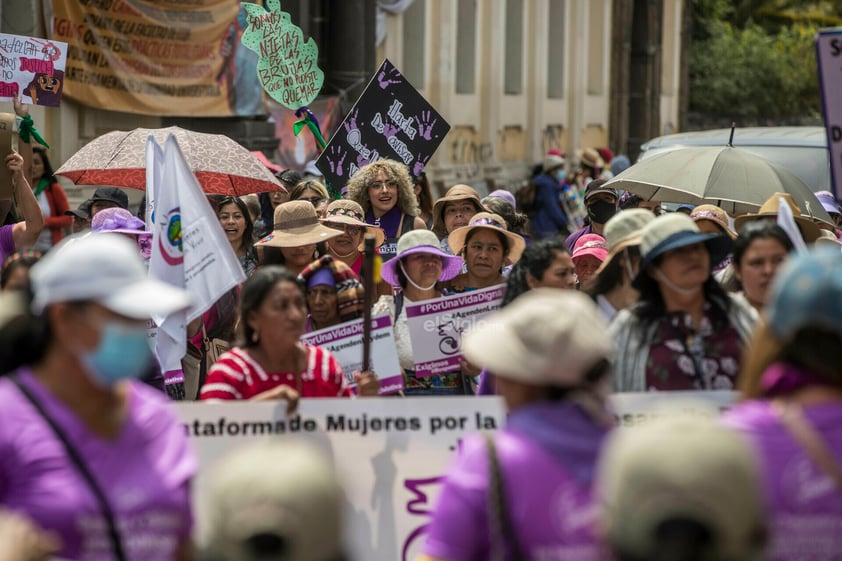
[(222, 166)]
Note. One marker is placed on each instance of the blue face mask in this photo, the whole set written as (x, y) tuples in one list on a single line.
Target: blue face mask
[(561, 175), (123, 353)]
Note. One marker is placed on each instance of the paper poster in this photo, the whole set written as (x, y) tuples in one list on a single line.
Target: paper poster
[(345, 342), (829, 55), (436, 327), (32, 68), (287, 66), (390, 120)]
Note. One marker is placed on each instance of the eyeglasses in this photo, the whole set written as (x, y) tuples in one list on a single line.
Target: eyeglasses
[(347, 228), (315, 201), (379, 185)]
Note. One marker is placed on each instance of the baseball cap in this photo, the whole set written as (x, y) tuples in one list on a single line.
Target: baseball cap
[(107, 269), (291, 512), (82, 211), (685, 471), (590, 244), (598, 186), (111, 194), (546, 337)]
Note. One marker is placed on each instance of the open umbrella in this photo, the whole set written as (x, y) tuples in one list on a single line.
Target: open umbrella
[(222, 166), (732, 179)]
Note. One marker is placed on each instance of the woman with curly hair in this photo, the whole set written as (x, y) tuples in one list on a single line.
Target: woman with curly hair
[(384, 189)]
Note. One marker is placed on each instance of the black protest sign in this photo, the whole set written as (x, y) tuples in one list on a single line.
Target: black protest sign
[(390, 120)]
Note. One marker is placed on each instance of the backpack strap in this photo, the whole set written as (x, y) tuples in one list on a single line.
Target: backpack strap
[(499, 509), (407, 224)]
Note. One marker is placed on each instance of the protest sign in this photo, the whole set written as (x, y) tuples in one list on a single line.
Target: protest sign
[(391, 454), (167, 57), (436, 327), (32, 68), (389, 120), (287, 65), (829, 55), (346, 343)]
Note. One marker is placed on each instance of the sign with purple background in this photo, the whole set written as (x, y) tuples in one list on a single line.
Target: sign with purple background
[(436, 327), (345, 342), (829, 55), (390, 120)]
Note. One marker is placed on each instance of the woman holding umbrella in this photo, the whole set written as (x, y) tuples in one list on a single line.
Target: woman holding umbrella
[(685, 333)]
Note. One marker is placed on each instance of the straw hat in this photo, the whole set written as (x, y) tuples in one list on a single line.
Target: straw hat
[(489, 221), (420, 241), (713, 213), (826, 237), (770, 208), (297, 224), (590, 157), (456, 193), (344, 211), (673, 231), (623, 230)]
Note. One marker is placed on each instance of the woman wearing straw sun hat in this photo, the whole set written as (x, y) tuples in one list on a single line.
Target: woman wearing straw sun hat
[(417, 270), (297, 231), (612, 286), (347, 217), (454, 210), (685, 333), (486, 246)]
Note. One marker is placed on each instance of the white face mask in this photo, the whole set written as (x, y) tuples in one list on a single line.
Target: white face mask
[(413, 283)]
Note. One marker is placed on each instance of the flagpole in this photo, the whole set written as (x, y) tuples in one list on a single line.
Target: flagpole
[(370, 285)]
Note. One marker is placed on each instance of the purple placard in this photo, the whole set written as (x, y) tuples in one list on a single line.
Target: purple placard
[(829, 56), (436, 327)]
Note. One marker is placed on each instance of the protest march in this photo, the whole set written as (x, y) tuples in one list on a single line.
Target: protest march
[(214, 355)]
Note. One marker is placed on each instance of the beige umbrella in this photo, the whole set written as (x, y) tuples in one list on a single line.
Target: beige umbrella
[(222, 166), (732, 179)]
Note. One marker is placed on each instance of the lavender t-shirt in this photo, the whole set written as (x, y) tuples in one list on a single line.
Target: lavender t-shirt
[(7, 242), (144, 474), (547, 464), (804, 505)]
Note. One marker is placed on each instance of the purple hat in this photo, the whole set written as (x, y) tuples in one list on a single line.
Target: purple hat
[(420, 241), (118, 221), (828, 201), (503, 194)]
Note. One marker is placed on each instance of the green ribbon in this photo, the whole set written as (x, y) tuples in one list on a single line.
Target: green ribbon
[(42, 184), (27, 131), (317, 134)]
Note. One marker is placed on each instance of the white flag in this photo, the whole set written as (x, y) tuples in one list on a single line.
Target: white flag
[(786, 221), (189, 247)]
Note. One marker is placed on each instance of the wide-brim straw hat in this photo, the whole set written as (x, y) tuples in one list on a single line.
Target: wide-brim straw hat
[(458, 192), (297, 224), (673, 231), (590, 157), (714, 214), (623, 230), (488, 221), (420, 241), (809, 229), (344, 211)]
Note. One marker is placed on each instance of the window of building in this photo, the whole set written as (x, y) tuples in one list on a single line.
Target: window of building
[(414, 43), (513, 69), (466, 33), (555, 49)]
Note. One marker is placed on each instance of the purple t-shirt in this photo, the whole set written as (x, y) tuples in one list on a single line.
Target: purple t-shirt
[(144, 473), (804, 505), (7, 242), (547, 455)]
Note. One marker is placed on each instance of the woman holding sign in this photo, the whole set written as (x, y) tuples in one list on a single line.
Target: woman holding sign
[(269, 362), (417, 269)]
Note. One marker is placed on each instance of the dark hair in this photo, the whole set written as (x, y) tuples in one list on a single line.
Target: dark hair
[(48, 168), (248, 234), (26, 258), (757, 230), (254, 292), (425, 198), (535, 261), (651, 306), (515, 221), (290, 177), (630, 200), (611, 276)]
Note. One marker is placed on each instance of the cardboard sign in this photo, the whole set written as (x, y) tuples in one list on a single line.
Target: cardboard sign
[(287, 66), (32, 68), (829, 55), (7, 122), (345, 342), (390, 120), (436, 327)]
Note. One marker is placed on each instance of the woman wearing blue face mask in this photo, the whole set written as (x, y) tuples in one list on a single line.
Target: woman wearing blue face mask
[(550, 219), (78, 433)]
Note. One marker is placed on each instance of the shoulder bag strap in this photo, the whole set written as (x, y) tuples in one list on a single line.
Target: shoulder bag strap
[(792, 417), (499, 506), (80, 466)]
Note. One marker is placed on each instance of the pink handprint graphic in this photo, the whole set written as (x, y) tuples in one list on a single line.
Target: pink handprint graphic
[(425, 125), (351, 123), (388, 76), (336, 157)]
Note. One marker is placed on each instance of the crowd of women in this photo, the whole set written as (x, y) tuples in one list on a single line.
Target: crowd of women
[(632, 301)]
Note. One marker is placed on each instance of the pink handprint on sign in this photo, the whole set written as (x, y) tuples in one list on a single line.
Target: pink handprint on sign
[(388, 76), (351, 123), (425, 125), (336, 157)]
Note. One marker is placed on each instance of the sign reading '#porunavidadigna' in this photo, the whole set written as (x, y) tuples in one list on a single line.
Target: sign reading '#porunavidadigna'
[(390, 120)]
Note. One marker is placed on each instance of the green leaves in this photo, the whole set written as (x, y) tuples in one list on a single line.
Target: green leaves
[(287, 66)]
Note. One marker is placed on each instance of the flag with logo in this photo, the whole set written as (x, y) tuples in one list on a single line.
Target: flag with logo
[(189, 248)]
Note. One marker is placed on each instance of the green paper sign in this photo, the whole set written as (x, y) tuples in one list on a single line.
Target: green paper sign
[(287, 67)]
